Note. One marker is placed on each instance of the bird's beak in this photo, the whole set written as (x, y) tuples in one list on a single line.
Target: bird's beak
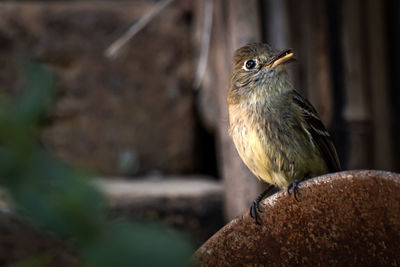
[(285, 56)]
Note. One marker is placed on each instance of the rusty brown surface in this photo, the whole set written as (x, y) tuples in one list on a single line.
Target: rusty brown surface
[(347, 218)]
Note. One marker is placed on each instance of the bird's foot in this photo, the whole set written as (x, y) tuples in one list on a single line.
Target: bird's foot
[(254, 210), (255, 206), (294, 186)]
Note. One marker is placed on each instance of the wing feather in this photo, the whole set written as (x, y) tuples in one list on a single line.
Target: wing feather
[(319, 133)]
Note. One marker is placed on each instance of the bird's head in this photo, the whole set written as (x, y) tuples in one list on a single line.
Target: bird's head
[(258, 71)]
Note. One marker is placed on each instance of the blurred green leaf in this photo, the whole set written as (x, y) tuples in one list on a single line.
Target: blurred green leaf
[(39, 93), (144, 245)]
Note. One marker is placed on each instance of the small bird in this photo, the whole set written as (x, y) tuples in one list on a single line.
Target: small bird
[(276, 131)]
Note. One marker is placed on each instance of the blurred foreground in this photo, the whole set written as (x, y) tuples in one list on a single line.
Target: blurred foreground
[(60, 200)]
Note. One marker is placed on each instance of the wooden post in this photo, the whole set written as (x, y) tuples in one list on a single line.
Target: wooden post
[(234, 26), (378, 83), (309, 32), (357, 112), (319, 83), (275, 19)]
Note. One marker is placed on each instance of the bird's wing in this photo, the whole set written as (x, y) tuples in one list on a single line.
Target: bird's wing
[(318, 132)]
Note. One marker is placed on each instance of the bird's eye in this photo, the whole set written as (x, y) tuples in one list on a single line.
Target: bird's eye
[(250, 64)]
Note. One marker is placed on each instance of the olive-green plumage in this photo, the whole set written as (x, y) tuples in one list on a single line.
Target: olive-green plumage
[(275, 130)]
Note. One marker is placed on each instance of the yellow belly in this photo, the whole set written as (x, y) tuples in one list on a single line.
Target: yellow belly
[(255, 155), (265, 150)]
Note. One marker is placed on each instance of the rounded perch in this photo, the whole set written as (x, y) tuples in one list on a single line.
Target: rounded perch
[(345, 218)]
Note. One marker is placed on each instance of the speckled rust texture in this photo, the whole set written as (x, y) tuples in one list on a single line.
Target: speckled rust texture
[(346, 218)]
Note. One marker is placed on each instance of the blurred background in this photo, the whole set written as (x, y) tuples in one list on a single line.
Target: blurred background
[(141, 89)]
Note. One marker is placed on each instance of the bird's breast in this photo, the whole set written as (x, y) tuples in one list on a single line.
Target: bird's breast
[(274, 148), (248, 134)]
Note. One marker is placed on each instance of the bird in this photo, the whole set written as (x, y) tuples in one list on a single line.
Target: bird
[(276, 131)]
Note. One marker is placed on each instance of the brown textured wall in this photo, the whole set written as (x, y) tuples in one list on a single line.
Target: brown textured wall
[(128, 115)]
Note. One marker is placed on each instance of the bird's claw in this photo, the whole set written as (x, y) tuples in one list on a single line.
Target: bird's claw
[(294, 186), (255, 206), (254, 209)]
